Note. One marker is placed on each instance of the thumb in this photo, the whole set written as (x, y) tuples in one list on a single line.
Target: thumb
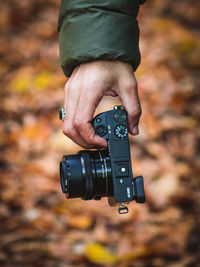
[(131, 103)]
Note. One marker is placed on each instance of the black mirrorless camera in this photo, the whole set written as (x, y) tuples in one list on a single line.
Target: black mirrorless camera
[(104, 173)]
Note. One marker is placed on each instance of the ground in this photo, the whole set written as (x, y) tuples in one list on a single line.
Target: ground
[(38, 226)]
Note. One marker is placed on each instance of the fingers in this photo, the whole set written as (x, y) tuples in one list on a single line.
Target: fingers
[(80, 105), (88, 101), (130, 100), (70, 105)]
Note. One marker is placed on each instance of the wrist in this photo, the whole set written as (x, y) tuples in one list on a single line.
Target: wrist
[(111, 65)]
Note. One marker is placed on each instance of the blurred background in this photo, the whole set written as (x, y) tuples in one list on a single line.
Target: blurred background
[(38, 226)]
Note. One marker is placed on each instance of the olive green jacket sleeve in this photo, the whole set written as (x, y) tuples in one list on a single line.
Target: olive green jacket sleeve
[(98, 30)]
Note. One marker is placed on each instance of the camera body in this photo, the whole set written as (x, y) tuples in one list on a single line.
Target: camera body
[(107, 172)]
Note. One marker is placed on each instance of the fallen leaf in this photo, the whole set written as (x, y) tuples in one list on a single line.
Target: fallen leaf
[(98, 254)]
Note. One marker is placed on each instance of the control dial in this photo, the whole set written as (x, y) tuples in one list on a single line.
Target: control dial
[(121, 131), (100, 130), (120, 116)]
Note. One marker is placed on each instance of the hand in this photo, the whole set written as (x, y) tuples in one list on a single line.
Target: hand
[(84, 90)]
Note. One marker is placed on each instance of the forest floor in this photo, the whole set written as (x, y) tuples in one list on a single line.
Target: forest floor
[(38, 226)]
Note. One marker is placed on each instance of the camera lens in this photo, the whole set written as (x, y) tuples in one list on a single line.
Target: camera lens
[(86, 175)]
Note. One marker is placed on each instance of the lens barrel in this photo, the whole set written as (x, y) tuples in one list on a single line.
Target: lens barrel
[(86, 175)]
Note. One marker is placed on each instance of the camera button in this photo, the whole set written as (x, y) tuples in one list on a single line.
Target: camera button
[(100, 130), (121, 169), (98, 120), (120, 116)]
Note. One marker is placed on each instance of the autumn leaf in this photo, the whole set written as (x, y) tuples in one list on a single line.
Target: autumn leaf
[(42, 80), (21, 84), (98, 254)]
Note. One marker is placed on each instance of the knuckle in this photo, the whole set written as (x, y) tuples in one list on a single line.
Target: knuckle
[(78, 123), (130, 86), (91, 140), (68, 131), (136, 111)]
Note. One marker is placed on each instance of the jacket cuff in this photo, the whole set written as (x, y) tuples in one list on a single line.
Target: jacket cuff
[(98, 34)]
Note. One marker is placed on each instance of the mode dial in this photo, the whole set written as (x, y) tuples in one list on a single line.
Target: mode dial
[(121, 131)]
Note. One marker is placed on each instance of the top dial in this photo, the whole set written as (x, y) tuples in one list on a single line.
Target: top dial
[(120, 116), (121, 131)]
